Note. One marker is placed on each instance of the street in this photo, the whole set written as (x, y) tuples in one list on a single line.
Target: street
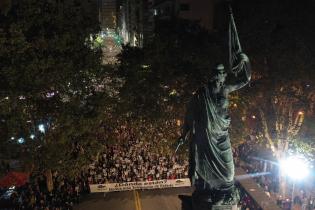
[(166, 199)]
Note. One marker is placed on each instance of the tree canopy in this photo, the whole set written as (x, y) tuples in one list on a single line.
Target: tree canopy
[(49, 75)]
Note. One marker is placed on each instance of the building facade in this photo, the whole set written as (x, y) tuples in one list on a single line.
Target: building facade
[(107, 14), (134, 20)]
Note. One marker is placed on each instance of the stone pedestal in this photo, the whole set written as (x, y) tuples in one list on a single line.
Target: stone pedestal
[(215, 199)]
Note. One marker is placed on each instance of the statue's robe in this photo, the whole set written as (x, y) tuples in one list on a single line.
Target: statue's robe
[(211, 157)]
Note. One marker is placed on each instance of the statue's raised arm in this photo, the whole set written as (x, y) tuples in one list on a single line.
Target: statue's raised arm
[(238, 61), (244, 73)]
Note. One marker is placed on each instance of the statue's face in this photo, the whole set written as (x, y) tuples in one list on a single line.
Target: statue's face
[(220, 76)]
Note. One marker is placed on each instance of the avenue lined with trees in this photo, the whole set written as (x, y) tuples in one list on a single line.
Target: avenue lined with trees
[(59, 103)]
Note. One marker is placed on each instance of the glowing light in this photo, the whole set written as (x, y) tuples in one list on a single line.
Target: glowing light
[(178, 122), (145, 66), (49, 95), (295, 167), (235, 105), (32, 136), (12, 138), (173, 92), (41, 128), (300, 113), (21, 140), (254, 117)]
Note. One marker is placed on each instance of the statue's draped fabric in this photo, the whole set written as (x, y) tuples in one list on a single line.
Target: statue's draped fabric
[(207, 122), (211, 156)]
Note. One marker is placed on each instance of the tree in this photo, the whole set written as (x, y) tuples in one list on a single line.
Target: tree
[(279, 45), (50, 76)]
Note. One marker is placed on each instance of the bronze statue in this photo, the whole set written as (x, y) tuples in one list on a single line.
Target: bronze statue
[(207, 124)]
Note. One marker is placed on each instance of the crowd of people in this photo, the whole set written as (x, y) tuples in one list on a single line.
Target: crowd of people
[(35, 194), (133, 161), (129, 159)]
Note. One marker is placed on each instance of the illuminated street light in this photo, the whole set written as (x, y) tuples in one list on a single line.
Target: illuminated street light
[(295, 167), (32, 136), (41, 128), (21, 140)]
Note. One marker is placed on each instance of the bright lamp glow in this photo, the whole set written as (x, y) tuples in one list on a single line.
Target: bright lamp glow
[(295, 167), (41, 128), (21, 140)]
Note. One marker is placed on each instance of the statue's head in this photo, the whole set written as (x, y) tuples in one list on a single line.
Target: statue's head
[(219, 73)]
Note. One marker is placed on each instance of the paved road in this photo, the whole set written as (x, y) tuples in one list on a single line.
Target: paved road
[(165, 199)]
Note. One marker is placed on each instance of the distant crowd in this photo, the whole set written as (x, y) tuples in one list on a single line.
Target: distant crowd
[(134, 161), (35, 195)]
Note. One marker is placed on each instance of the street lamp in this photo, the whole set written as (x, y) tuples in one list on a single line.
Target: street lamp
[(21, 140), (296, 168), (41, 128)]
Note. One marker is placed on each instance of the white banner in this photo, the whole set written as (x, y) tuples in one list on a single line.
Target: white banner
[(125, 186)]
